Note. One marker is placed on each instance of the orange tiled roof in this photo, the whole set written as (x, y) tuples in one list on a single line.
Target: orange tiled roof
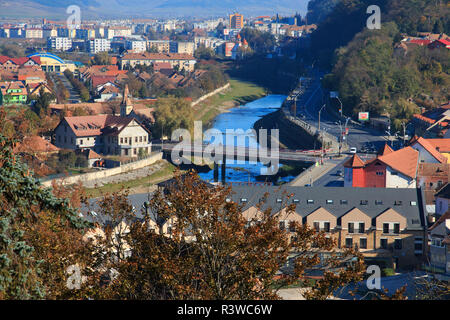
[(35, 144), (386, 150), (442, 145), (431, 149), (354, 162), (158, 56), (404, 160)]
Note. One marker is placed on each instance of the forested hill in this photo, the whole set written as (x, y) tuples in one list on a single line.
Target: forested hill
[(370, 69)]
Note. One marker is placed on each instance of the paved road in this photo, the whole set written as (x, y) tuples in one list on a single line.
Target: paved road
[(308, 106), (74, 96)]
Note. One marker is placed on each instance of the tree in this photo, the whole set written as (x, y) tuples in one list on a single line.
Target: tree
[(213, 252), (101, 58), (40, 234)]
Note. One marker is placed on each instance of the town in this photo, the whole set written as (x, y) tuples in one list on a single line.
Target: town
[(357, 119)]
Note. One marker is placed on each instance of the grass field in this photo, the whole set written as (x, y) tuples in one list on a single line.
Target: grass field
[(240, 92)]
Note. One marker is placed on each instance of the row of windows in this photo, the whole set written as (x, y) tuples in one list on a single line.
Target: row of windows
[(342, 202), (130, 139)]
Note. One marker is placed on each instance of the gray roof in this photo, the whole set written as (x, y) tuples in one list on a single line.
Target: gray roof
[(378, 200)]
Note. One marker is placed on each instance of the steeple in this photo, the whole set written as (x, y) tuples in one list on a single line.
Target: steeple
[(126, 107)]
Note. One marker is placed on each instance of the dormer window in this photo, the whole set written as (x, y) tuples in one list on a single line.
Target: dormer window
[(310, 201), (329, 201), (244, 200)]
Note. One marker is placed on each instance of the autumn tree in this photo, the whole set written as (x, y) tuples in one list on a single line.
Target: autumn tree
[(192, 242)]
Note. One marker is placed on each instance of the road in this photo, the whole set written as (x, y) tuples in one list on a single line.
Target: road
[(74, 96), (309, 105)]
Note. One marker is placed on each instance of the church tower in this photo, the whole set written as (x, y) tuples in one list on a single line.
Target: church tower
[(126, 107)]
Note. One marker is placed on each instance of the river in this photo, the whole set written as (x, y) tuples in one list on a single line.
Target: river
[(244, 117)]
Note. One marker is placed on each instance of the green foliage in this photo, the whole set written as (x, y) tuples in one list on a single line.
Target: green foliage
[(170, 114), (78, 85), (261, 42), (21, 201), (370, 72), (204, 53), (101, 58)]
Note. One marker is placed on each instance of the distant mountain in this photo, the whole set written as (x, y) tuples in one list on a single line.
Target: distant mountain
[(152, 8)]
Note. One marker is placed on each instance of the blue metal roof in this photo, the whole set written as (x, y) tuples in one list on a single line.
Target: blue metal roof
[(46, 55)]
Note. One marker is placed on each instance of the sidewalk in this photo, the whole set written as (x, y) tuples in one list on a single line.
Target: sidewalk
[(309, 176)]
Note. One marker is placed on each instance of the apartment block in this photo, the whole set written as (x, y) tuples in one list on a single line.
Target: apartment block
[(98, 45), (59, 43)]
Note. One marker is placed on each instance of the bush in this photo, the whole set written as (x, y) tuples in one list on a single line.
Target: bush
[(388, 272)]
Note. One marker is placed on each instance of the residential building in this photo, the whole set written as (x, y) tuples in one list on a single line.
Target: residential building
[(427, 152), (180, 60), (13, 64), (49, 32), (117, 31), (137, 46), (433, 123), (388, 226), (442, 200), (59, 44), (182, 47), (98, 45), (439, 234), (34, 33), (389, 169), (160, 46), (236, 21), (13, 92), (104, 134)]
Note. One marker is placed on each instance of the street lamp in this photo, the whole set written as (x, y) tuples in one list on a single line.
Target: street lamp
[(320, 111)]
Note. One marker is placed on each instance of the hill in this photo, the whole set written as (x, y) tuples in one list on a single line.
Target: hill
[(153, 8)]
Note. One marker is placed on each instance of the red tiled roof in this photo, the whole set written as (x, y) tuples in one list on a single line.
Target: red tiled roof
[(19, 61)]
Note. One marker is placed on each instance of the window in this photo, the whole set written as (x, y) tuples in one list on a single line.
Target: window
[(326, 227), (121, 140), (317, 226), (383, 243), (140, 139), (282, 225), (244, 200), (362, 227), (348, 242), (385, 227), (351, 227), (394, 173), (398, 244), (292, 226), (329, 201), (413, 203), (81, 142), (136, 139), (398, 203), (396, 228), (378, 202), (310, 201), (279, 200), (364, 202), (379, 173), (344, 202), (296, 201), (363, 243)]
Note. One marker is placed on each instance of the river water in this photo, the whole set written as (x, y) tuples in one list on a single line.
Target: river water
[(244, 117)]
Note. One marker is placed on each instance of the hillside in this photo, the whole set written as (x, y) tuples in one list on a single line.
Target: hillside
[(370, 69), (153, 8)]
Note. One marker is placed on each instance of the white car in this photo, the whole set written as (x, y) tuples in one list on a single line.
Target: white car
[(353, 150)]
